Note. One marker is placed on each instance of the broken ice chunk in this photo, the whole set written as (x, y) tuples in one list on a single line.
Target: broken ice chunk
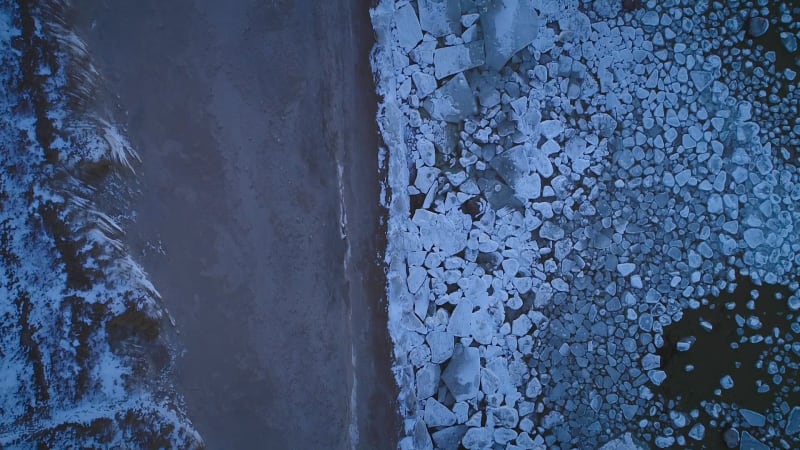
[(482, 326), (508, 27), (629, 411), (551, 128), (789, 41), (551, 231), (793, 422), (685, 344), (457, 58), (650, 18), (626, 269), (528, 187), (521, 325), (754, 237), (753, 418), (441, 344), (701, 79), (478, 438), (604, 124), (751, 443), (440, 17), (758, 26), (426, 176), (459, 323), (541, 162), (426, 151), (438, 415), (726, 382), (657, 376), (408, 32), (576, 25), (646, 322), (421, 437), (428, 380), (462, 375), (452, 102), (731, 437), (651, 361), (511, 164), (715, 204), (424, 83), (449, 438), (416, 277), (533, 389), (624, 442), (697, 432)]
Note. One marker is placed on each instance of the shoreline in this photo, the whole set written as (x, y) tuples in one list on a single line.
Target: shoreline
[(238, 221)]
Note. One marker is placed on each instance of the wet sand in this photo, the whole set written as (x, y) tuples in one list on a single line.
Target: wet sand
[(241, 112)]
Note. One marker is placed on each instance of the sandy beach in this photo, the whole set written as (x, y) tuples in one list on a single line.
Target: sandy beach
[(242, 113)]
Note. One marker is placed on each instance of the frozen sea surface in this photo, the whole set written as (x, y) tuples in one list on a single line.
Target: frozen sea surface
[(625, 167)]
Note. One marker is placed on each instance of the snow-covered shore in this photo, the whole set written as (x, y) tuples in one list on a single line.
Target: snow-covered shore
[(84, 351)]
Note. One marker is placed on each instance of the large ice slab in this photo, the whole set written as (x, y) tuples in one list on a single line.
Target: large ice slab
[(462, 375), (452, 102), (408, 32), (457, 58), (440, 17), (508, 27)]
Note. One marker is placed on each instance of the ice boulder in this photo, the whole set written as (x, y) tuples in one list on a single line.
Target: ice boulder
[(462, 375), (440, 17), (452, 102), (408, 33), (508, 27), (457, 58)]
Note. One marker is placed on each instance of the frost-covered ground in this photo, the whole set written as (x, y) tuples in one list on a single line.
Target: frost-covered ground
[(84, 357), (568, 179)]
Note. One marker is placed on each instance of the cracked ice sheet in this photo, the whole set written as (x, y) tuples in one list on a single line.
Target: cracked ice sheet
[(550, 222), (452, 102)]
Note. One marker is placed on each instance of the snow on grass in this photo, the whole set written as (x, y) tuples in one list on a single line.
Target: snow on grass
[(84, 348)]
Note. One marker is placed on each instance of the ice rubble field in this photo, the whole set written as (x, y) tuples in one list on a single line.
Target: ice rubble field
[(81, 359), (565, 180)]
